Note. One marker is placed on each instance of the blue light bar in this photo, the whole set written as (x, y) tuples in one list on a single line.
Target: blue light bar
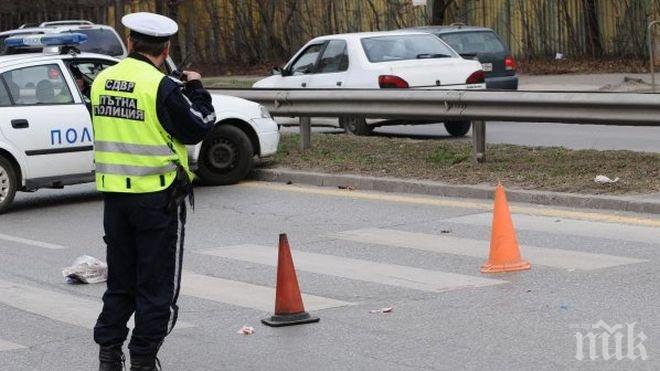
[(31, 41)]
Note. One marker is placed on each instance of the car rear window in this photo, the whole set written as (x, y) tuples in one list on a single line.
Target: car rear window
[(474, 42), (101, 41), (405, 47)]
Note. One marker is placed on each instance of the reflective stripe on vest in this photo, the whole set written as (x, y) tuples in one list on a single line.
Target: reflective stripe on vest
[(133, 149), (114, 169), (133, 153)]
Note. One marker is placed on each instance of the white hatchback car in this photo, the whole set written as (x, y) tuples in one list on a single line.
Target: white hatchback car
[(46, 138), (396, 59)]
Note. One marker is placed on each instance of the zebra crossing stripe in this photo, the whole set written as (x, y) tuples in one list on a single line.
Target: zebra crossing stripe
[(34, 243), (363, 270), (623, 232), (7, 345), (244, 294), (557, 258), (54, 305)]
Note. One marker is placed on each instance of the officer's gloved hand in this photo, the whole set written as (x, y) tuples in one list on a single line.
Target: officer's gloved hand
[(191, 75)]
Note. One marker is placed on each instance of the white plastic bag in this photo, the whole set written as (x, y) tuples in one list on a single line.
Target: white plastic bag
[(602, 179), (86, 269)]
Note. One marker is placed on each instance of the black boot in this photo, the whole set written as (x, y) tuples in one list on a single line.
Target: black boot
[(144, 363), (111, 358)]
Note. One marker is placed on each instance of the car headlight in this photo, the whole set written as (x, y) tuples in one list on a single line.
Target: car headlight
[(264, 112)]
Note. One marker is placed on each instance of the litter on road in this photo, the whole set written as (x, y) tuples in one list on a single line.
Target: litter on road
[(86, 269), (245, 330), (382, 310)]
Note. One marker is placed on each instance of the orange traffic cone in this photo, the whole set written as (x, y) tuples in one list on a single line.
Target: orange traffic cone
[(504, 251), (289, 308)]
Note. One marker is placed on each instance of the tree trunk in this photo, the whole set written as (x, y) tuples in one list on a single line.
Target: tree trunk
[(438, 10), (119, 13), (160, 7), (190, 53), (214, 31), (175, 42), (594, 45)]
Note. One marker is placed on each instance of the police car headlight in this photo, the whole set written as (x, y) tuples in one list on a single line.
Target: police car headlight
[(264, 112)]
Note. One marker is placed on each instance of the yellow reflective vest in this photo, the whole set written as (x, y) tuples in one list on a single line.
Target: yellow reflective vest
[(132, 151)]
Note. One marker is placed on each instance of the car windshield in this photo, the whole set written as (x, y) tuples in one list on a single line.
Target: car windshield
[(101, 41), (474, 42), (404, 47)]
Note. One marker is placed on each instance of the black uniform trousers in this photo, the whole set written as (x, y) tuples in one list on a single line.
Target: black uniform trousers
[(144, 253)]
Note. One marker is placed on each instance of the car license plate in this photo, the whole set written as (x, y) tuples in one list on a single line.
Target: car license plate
[(487, 67)]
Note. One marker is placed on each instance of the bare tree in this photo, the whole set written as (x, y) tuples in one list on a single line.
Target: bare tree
[(290, 33), (568, 20), (594, 45), (375, 12), (119, 12), (438, 11), (266, 9), (214, 30), (160, 6), (173, 12)]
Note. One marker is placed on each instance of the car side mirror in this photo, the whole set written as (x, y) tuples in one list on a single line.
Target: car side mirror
[(285, 72), (276, 71)]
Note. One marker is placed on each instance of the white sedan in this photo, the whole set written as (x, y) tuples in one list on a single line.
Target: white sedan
[(378, 60), (46, 138)]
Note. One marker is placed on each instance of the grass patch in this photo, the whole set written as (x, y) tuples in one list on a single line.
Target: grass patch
[(443, 156), (539, 168)]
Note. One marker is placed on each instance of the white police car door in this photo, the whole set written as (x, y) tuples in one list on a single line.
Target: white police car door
[(47, 122)]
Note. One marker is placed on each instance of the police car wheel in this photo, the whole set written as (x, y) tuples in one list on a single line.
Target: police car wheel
[(458, 128), (8, 184), (226, 156)]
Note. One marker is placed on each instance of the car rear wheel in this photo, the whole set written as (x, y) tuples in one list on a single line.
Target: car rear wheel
[(226, 156), (8, 184), (356, 125), (458, 128)]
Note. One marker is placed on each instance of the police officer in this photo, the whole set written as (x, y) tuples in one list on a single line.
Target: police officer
[(142, 121)]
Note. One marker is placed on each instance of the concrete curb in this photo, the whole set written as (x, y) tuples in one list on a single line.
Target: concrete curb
[(619, 203)]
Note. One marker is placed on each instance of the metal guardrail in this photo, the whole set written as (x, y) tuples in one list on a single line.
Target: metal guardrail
[(478, 106)]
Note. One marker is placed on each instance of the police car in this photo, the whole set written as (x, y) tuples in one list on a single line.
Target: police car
[(101, 39), (46, 138)]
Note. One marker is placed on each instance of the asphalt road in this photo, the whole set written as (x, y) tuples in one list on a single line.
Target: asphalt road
[(355, 252)]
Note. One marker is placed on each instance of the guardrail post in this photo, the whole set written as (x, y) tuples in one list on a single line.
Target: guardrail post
[(651, 40), (305, 133), (479, 140)]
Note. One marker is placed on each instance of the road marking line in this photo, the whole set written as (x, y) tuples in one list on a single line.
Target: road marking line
[(556, 258), (54, 305), (446, 202), (246, 295), (8, 345), (363, 270), (34, 243), (624, 232)]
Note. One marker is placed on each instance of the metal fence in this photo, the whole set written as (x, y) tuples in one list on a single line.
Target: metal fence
[(479, 106)]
